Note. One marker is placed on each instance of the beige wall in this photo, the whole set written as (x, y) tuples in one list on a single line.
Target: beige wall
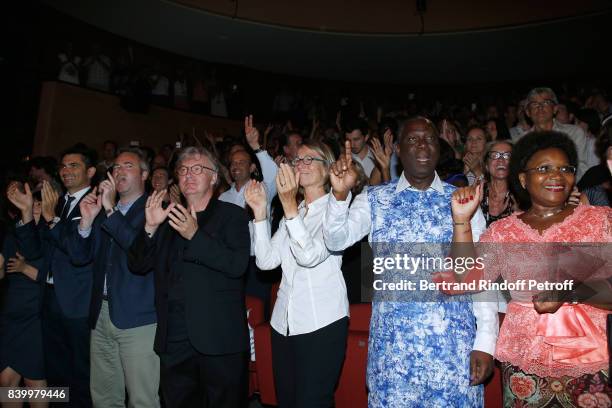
[(70, 114)]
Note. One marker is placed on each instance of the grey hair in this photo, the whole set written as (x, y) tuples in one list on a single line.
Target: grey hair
[(197, 151), (142, 157), (541, 90)]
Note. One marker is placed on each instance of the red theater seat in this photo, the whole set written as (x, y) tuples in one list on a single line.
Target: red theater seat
[(255, 306)]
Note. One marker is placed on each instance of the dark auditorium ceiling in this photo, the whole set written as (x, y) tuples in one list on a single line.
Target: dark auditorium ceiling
[(375, 41)]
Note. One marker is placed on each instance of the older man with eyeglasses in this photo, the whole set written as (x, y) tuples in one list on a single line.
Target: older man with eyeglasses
[(199, 256), (541, 108)]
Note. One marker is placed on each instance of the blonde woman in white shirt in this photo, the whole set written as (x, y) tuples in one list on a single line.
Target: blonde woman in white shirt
[(310, 317)]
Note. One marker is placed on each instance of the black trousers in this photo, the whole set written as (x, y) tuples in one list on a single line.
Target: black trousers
[(66, 348), (192, 379), (307, 366)]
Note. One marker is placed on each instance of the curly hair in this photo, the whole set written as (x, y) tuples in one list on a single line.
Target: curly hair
[(524, 150)]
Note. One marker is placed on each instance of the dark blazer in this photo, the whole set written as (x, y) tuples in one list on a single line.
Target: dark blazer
[(72, 281), (214, 263), (130, 296)]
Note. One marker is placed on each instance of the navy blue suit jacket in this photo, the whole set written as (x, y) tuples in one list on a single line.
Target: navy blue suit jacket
[(72, 280), (130, 297)]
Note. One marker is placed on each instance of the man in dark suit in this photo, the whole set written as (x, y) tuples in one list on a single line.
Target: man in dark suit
[(68, 289), (122, 313), (199, 256)]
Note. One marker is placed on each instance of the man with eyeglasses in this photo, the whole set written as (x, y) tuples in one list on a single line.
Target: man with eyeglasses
[(122, 313), (541, 109), (199, 256), (66, 300)]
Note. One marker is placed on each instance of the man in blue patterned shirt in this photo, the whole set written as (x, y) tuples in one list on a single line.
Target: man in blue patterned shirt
[(421, 353)]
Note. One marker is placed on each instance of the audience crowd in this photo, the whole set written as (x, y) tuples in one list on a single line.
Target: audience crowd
[(123, 274)]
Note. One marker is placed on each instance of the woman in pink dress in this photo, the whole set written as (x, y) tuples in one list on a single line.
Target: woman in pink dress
[(552, 345)]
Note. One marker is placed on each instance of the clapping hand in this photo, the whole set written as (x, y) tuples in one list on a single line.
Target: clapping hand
[(154, 212), (383, 154), (256, 198), (287, 185), (343, 175), (23, 200), (50, 197), (174, 194), (184, 221), (465, 202)]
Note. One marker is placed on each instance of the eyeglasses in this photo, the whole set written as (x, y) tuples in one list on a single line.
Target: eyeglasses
[(413, 140), (546, 169), (195, 170), (493, 155), (543, 104), (307, 160)]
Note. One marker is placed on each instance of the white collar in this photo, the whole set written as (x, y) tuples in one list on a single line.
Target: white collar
[(78, 195), (404, 184)]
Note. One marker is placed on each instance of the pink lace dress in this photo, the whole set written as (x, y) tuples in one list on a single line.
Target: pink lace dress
[(570, 342)]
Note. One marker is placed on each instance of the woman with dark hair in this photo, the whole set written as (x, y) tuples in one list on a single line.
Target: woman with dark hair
[(497, 130), (21, 291), (552, 344), (497, 202), (449, 168)]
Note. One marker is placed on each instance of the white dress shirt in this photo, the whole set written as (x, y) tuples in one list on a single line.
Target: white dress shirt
[(345, 226), (234, 196), (312, 292)]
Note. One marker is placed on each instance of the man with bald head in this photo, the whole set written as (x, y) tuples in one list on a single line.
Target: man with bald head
[(410, 356)]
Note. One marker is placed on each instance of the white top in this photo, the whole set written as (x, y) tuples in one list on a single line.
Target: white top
[(268, 169), (368, 164), (98, 72), (344, 227), (312, 292)]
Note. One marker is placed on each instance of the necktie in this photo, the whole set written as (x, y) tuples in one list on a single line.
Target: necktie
[(66, 208), (63, 216)]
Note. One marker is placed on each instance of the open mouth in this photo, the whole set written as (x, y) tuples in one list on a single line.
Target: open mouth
[(501, 168), (555, 188)]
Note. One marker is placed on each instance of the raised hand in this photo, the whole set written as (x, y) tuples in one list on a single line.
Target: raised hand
[(108, 190), (465, 202), (256, 198), (90, 207), (22, 200), (50, 197), (287, 185), (251, 132), (184, 221), (473, 163), (343, 175), (154, 212), (383, 154), (174, 194)]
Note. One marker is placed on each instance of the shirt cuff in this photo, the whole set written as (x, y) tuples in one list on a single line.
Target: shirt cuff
[(84, 233), (261, 228), (297, 230)]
